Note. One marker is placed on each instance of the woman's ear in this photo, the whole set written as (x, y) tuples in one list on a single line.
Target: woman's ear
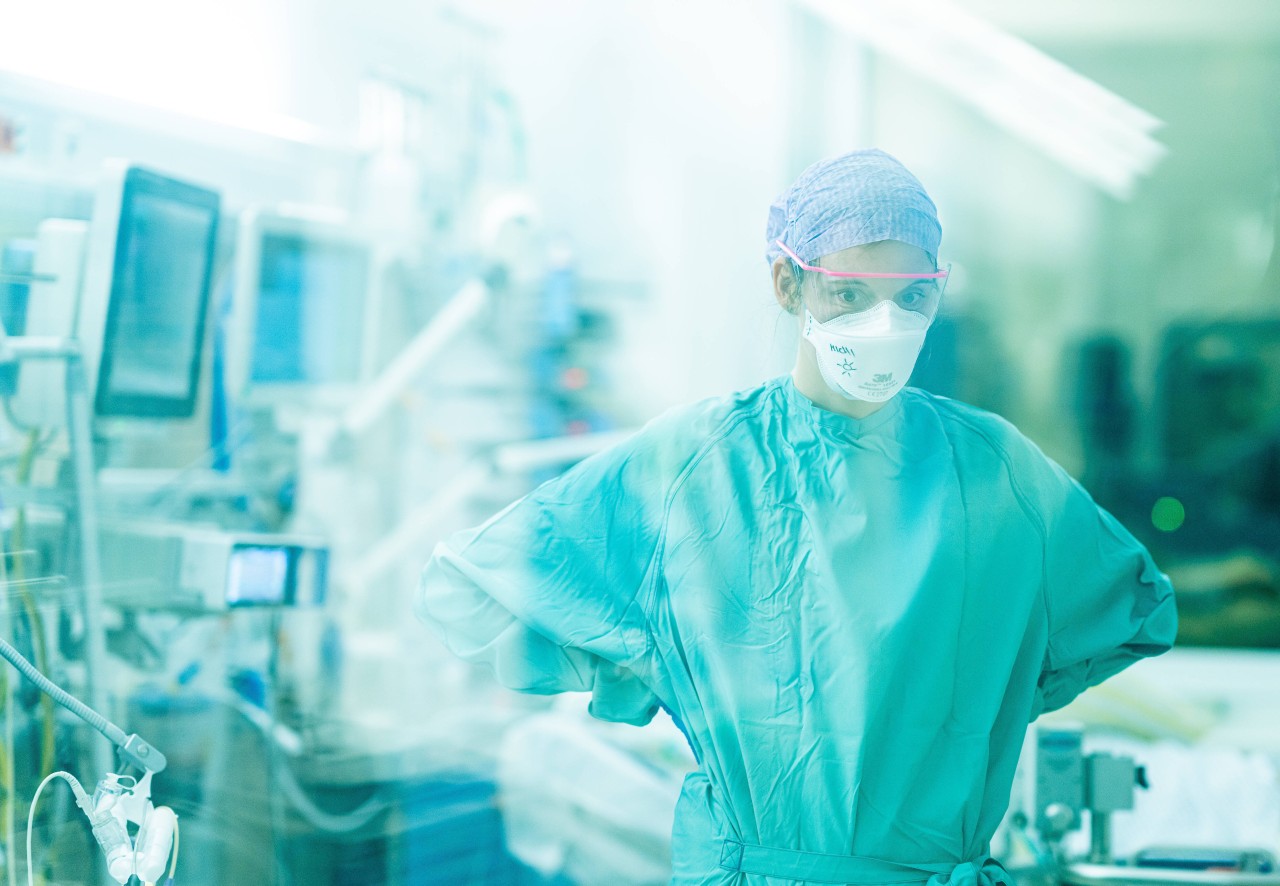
[(786, 285)]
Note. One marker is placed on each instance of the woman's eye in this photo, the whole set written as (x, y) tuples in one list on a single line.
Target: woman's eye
[(849, 295), (913, 298)]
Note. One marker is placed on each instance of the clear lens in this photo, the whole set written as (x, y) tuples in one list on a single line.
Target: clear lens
[(830, 297)]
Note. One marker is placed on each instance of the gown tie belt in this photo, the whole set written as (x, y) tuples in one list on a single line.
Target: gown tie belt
[(818, 867)]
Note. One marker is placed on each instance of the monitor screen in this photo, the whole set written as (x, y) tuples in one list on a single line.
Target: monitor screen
[(258, 576), (276, 575), (310, 310), (160, 283)]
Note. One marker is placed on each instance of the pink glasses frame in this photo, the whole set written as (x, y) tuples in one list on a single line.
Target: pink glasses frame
[(936, 275)]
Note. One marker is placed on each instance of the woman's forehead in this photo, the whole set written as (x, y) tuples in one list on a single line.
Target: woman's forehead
[(881, 257)]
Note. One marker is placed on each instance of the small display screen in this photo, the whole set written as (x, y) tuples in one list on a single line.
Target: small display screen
[(277, 575), (259, 576), (310, 311), (159, 295)]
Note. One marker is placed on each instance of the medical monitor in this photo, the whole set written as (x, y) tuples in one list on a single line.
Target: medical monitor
[(276, 575), (148, 269), (1219, 388), (301, 319)]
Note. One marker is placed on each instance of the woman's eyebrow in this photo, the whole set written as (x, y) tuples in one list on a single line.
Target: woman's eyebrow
[(923, 281), (849, 281)]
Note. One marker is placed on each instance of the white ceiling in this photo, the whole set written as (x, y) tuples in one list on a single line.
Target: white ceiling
[(1136, 21)]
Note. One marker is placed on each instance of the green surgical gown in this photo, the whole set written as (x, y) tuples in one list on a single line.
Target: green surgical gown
[(853, 621)]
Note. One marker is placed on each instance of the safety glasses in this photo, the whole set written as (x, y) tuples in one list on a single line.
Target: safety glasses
[(831, 293)]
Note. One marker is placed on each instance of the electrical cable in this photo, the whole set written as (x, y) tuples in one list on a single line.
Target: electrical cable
[(20, 425), (236, 438), (82, 798), (13, 419)]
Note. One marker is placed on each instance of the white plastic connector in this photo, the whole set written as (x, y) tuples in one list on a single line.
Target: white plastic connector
[(114, 840), (155, 839)]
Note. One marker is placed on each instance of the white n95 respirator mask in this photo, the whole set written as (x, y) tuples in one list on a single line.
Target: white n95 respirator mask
[(868, 355)]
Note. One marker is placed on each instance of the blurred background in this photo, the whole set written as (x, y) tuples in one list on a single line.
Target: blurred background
[(345, 278)]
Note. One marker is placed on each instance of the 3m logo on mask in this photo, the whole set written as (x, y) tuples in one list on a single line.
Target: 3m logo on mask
[(841, 349), (882, 378)]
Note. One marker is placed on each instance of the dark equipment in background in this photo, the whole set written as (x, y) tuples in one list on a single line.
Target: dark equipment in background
[(1105, 407), (1219, 397), (1208, 504)]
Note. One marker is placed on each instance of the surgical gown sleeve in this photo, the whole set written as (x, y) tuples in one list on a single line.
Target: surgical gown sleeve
[(549, 593), (1107, 603)]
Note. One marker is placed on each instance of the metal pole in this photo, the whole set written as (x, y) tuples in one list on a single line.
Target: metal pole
[(1100, 842), (80, 431)]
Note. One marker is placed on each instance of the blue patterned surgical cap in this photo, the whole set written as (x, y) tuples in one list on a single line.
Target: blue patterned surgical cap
[(856, 198)]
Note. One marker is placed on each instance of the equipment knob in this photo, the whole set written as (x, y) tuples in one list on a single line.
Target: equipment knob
[(1059, 817)]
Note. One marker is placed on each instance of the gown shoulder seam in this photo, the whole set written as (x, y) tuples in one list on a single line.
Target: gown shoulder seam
[(722, 430)]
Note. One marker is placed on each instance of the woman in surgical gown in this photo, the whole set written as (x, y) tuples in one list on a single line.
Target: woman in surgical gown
[(852, 597)]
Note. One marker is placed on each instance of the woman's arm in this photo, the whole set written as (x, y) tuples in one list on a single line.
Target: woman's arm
[(549, 593)]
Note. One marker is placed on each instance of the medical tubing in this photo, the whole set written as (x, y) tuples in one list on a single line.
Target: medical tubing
[(110, 731), (320, 819), (76, 788), (315, 816), (173, 863)]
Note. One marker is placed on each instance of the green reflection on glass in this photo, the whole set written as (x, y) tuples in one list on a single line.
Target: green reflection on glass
[(1168, 514)]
